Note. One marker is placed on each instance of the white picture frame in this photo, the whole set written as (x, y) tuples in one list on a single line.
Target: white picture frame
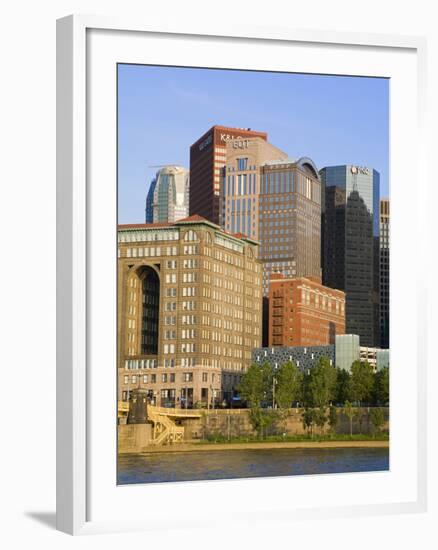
[(86, 500)]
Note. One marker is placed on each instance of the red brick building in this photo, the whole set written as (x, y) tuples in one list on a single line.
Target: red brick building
[(303, 312), (207, 159)]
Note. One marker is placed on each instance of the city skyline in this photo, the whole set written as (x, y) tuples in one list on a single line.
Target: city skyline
[(332, 119)]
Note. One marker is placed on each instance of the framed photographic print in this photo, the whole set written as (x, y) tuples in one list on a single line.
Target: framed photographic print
[(237, 322)]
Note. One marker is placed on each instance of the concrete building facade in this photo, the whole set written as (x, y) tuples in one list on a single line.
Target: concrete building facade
[(341, 354), (207, 160), (303, 312), (350, 244), (189, 310)]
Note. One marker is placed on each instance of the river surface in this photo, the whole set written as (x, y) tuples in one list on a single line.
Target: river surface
[(229, 464)]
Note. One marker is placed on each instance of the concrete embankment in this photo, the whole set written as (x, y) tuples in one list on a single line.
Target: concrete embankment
[(202, 447)]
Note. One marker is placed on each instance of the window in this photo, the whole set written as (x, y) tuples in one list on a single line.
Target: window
[(242, 164), (188, 348), (153, 378), (145, 378), (188, 377), (191, 236), (205, 376), (164, 377), (190, 249)]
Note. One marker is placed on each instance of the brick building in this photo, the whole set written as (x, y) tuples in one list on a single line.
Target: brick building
[(189, 310), (303, 312), (240, 192), (207, 159)]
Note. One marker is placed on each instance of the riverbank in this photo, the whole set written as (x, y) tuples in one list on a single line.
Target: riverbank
[(263, 445)]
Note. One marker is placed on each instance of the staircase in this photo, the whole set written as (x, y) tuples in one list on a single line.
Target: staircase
[(165, 430)]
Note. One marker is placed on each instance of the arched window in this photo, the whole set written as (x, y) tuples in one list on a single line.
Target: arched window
[(191, 236)]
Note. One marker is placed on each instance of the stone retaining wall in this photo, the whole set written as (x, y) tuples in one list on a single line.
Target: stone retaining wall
[(236, 423)]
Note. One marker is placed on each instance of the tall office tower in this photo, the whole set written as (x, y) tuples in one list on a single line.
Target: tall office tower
[(149, 210), (168, 196), (207, 159), (240, 190), (384, 273), (189, 310), (303, 312), (350, 249), (290, 219)]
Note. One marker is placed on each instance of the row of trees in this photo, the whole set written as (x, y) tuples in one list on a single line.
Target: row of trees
[(268, 391)]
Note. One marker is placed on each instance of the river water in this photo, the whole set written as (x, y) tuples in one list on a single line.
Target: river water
[(202, 465)]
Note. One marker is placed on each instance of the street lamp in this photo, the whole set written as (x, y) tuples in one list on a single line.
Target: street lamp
[(212, 397), (274, 383)]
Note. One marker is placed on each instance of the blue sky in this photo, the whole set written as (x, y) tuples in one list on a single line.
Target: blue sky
[(163, 110)]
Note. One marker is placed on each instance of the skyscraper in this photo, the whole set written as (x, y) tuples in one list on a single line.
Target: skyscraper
[(240, 191), (290, 219), (384, 273), (168, 196), (149, 211), (350, 244), (207, 159), (189, 309)]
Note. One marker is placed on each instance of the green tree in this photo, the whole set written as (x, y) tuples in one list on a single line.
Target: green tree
[(343, 386), (360, 415), (288, 387), (256, 389), (308, 419), (262, 420), (267, 380), (252, 387), (362, 381), (320, 418), (349, 413), (377, 419), (321, 383), (333, 419), (381, 387)]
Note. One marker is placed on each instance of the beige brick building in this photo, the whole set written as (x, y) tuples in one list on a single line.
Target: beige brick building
[(240, 190), (189, 310), (290, 219)]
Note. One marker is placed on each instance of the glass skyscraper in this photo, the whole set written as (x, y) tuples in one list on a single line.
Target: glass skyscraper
[(150, 202), (350, 244), (168, 196)]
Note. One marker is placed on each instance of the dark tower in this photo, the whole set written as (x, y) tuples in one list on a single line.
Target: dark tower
[(350, 250)]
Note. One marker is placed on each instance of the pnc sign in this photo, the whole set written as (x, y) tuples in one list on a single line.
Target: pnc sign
[(360, 170)]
